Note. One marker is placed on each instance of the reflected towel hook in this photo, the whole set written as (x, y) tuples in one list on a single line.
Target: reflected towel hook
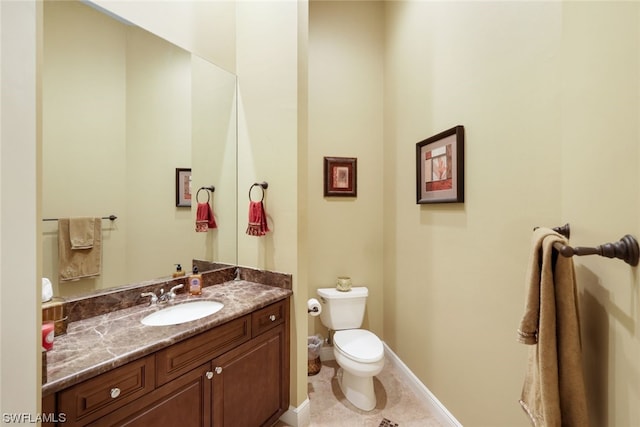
[(626, 248), (263, 186), (210, 189)]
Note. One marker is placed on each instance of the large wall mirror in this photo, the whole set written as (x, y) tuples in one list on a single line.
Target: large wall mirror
[(122, 109)]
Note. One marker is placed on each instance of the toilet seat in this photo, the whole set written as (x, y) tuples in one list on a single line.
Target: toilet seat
[(359, 345)]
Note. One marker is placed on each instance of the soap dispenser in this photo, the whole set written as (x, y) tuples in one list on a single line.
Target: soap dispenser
[(195, 282), (178, 272)]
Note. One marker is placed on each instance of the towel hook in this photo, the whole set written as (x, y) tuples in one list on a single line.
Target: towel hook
[(263, 186), (210, 189)]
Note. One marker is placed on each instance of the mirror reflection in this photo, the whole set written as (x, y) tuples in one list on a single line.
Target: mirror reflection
[(122, 109)]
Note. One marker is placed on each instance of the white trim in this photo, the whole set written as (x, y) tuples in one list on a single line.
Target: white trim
[(442, 413), (298, 417)]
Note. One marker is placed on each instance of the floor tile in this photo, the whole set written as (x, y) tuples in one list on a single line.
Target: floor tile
[(397, 405)]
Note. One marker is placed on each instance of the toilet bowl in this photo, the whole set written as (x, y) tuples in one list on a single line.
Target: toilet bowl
[(361, 356)]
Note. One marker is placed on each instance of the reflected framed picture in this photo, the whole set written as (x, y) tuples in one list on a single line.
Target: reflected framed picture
[(183, 187), (440, 168), (340, 176)]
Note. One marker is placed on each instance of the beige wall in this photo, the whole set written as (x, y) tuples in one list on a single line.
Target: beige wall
[(19, 223), (548, 94), (549, 106), (346, 120), (267, 41), (600, 163), (206, 28)]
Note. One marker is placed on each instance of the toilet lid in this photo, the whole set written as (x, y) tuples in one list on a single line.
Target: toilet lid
[(359, 344)]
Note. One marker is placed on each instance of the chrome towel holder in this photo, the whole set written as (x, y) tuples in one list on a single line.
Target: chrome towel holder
[(626, 248)]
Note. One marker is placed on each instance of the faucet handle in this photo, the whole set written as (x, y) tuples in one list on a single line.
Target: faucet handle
[(172, 291), (154, 298)]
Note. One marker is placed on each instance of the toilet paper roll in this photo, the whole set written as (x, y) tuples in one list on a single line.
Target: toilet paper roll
[(313, 307)]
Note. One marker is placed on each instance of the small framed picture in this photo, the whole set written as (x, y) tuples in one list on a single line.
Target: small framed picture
[(340, 176), (440, 168), (183, 187)]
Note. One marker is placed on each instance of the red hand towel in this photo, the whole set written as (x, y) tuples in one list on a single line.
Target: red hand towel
[(257, 220), (204, 218)]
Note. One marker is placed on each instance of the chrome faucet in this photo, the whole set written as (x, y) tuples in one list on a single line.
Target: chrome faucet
[(237, 274), (169, 296)]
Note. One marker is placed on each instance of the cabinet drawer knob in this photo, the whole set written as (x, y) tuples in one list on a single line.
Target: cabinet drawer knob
[(115, 392), (218, 370), (272, 317), (209, 375)]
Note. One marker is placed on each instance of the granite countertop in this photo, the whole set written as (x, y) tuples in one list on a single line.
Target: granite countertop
[(98, 344)]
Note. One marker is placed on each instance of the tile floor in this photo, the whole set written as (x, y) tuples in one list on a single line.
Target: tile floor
[(397, 404)]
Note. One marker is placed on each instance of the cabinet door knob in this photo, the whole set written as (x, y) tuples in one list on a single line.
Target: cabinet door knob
[(272, 317), (218, 370), (115, 392), (209, 375)]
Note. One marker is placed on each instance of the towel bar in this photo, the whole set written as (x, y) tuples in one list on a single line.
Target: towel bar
[(110, 217), (625, 249)]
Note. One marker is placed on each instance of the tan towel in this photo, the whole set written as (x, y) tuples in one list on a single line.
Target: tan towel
[(81, 232), (553, 393), (76, 264)]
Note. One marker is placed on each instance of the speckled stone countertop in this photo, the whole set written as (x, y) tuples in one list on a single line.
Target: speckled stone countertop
[(98, 344)]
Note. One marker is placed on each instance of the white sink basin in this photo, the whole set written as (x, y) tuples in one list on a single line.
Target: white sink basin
[(182, 313)]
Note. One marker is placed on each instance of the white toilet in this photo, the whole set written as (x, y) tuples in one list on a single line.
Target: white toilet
[(358, 352)]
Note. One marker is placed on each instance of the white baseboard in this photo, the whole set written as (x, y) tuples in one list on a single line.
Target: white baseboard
[(443, 415), (298, 417)]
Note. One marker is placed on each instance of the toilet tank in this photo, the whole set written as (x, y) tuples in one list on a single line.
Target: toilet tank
[(343, 310)]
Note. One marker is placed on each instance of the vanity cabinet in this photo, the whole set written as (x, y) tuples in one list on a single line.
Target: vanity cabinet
[(236, 374), (185, 401)]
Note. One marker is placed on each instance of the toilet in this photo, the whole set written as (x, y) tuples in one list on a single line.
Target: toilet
[(357, 351)]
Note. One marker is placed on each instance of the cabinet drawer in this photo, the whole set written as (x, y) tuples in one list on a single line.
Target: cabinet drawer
[(266, 318), (95, 397), (182, 357)]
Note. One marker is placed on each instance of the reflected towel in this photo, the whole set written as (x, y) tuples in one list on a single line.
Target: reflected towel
[(81, 231), (204, 218), (74, 264), (257, 220), (553, 393)]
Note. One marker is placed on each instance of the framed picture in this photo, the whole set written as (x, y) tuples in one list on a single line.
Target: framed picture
[(340, 176), (183, 187), (440, 168)]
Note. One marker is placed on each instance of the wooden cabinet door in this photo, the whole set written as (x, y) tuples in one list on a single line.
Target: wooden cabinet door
[(49, 411), (185, 401), (248, 382)]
